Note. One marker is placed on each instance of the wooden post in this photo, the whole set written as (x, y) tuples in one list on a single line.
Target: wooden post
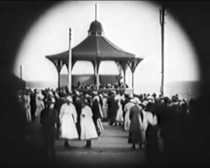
[(70, 64), (162, 22)]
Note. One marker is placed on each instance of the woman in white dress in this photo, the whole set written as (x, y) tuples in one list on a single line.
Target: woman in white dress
[(104, 106), (119, 116), (39, 106), (27, 106), (88, 129), (68, 120)]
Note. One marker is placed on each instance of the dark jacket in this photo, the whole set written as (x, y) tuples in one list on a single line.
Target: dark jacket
[(48, 117)]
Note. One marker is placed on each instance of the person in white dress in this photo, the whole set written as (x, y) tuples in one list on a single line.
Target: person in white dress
[(104, 106), (88, 129), (27, 106), (68, 120), (39, 106), (119, 116)]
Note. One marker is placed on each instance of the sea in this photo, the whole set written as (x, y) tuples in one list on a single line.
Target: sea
[(185, 89)]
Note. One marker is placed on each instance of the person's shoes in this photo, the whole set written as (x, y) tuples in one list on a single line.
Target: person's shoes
[(133, 147), (88, 146), (66, 145)]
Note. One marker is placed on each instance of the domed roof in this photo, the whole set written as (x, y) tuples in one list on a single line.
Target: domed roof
[(95, 28)]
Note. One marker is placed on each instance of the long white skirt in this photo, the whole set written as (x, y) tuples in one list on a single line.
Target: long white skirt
[(88, 129), (68, 128), (119, 116)]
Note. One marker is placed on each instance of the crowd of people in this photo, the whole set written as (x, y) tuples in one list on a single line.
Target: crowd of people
[(154, 122)]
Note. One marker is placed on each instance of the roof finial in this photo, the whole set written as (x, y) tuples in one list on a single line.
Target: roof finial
[(96, 11)]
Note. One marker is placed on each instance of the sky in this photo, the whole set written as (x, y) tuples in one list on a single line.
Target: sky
[(132, 25)]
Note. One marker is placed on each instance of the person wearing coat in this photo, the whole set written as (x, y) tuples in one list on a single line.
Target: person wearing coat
[(33, 104), (88, 129), (112, 108), (148, 120), (97, 113), (127, 114), (57, 106), (48, 121), (77, 103), (68, 120), (104, 106), (136, 135)]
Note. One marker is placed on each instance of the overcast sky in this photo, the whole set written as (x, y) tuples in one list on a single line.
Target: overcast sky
[(133, 26)]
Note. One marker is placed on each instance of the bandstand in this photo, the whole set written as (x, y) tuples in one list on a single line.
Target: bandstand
[(96, 48)]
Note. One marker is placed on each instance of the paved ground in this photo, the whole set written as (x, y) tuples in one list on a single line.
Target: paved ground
[(110, 149)]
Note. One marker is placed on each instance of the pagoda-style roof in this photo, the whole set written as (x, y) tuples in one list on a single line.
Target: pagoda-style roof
[(94, 47)]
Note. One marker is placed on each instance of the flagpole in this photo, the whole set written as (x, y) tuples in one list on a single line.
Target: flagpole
[(162, 22), (95, 11), (70, 64)]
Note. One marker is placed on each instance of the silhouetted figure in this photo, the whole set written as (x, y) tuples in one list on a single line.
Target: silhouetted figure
[(48, 120)]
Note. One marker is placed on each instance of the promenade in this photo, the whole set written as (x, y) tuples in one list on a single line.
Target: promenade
[(111, 149)]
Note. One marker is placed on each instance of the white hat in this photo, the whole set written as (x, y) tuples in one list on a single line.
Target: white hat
[(77, 92), (130, 96), (53, 100), (96, 98), (145, 102), (51, 93), (69, 98), (95, 92), (150, 98), (135, 100), (117, 97), (40, 95)]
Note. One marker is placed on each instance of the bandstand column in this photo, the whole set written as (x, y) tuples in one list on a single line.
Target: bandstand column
[(133, 80), (133, 64), (59, 65), (59, 79), (123, 65), (124, 76), (96, 73)]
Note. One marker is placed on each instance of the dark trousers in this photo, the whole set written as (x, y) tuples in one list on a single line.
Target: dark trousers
[(88, 143), (49, 142)]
